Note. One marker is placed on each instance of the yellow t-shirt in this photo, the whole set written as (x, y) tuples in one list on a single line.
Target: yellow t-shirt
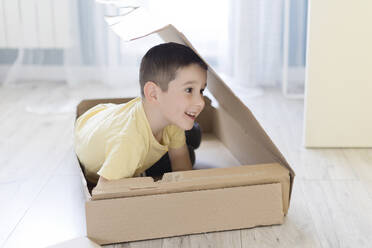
[(116, 141)]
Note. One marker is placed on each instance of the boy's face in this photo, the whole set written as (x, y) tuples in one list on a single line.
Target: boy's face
[(183, 101)]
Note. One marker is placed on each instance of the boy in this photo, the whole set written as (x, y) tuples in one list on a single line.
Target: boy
[(119, 141)]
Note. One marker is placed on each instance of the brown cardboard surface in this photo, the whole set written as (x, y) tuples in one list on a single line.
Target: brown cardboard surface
[(186, 181), (165, 215)]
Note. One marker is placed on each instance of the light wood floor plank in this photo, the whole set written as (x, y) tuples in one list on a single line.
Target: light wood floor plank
[(341, 211), (56, 215)]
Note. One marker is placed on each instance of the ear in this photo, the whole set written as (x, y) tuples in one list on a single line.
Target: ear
[(151, 91)]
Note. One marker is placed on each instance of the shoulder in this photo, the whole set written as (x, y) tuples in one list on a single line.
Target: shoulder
[(92, 112), (122, 118)]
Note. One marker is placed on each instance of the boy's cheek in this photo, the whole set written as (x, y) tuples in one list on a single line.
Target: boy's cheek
[(203, 103)]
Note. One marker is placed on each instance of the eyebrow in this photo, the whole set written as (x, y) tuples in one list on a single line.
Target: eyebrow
[(192, 82)]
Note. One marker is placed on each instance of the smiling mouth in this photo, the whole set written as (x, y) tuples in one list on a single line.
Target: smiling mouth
[(191, 115)]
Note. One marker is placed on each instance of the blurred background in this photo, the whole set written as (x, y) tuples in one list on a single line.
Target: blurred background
[(253, 44)]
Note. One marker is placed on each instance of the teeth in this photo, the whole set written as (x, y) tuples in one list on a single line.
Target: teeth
[(192, 114)]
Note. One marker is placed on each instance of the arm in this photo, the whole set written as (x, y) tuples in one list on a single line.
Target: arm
[(180, 158)]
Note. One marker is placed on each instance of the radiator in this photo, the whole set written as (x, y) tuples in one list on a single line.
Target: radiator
[(35, 23)]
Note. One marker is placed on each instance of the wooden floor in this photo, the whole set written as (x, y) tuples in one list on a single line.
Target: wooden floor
[(42, 202)]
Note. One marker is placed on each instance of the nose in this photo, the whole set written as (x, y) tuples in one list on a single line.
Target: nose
[(200, 102)]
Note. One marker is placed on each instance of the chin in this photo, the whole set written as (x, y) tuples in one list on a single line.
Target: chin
[(189, 128), (186, 127), (184, 123)]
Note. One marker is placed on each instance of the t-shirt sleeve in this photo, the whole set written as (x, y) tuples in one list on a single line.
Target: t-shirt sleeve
[(122, 158), (177, 137)]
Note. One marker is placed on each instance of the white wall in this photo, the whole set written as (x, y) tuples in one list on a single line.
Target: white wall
[(35, 23), (338, 105)]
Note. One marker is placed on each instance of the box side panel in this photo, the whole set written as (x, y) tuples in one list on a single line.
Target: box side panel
[(243, 118), (245, 146), (157, 216), (195, 180)]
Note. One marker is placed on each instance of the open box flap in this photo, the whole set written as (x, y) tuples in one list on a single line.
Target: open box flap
[(139, 23)]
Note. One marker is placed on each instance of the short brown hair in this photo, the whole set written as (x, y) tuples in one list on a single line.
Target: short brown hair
[(161, 62)]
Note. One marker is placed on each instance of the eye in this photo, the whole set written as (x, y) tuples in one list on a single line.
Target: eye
[(189, 90), (202, 91)]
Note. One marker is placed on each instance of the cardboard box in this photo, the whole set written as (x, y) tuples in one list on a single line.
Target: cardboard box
[(253, 189)]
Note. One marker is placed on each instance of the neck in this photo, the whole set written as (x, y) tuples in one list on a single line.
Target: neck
[(154, 117)]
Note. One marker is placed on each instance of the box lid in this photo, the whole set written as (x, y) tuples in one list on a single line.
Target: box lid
[(139, 23)]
